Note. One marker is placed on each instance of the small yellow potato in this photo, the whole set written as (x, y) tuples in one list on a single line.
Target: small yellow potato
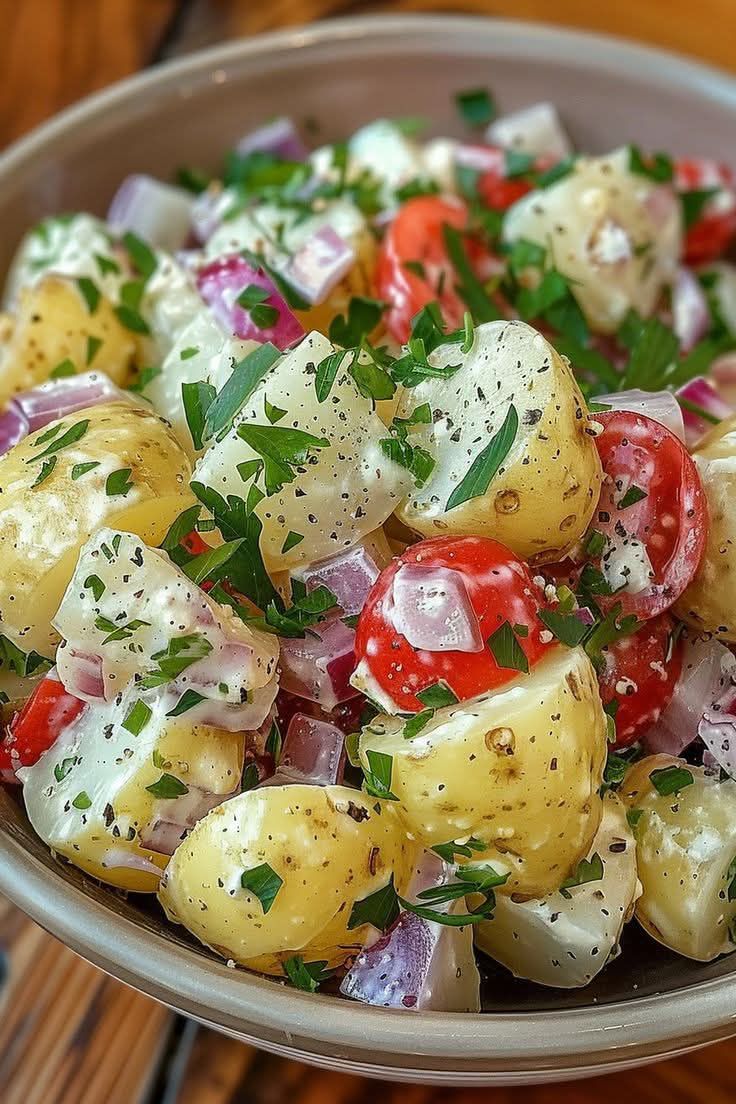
[(342, 485), (518, 768), (709, 603), (43, 526), (330, 845), (615, 234), (87, 797), (542, 498), (54, 324), (686, 855), (565, 938)]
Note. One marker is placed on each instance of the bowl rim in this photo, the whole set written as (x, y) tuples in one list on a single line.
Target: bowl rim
[(449, 1045)]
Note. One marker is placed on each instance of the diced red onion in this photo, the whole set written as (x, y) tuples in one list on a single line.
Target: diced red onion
[(418, 965), (117, 858), (164, 832), (661, 204), (534, 130), (319, 666), (660, 406), (690, 313), (222, 281), (59, 397), (279, 137), (723, 371), (349, 575), (82, 674), (320, 264), (208, 210), (707, 671), (431, 608), (701, 392), (585, 616), (13, 428), (154, 211), (481, 158), (313, 752)]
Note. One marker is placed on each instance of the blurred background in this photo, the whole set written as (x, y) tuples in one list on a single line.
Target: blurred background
[(68, 1034)]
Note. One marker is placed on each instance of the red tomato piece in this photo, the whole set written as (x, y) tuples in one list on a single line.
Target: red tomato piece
[(640, 456), (713, 231), (194, 543), (48, 711), (499, 588), (415, 238), (499, 192), (640, 673)]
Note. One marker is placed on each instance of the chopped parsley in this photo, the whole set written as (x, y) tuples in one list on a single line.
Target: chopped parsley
[(89, 292), (307, 976), (65, 368), (197, 399), (118, 483), (448, 851), (477, 106), (670, 780), (168, 787), (245, 377), (137, 718), (262, 882), (70, 437), (46, 469), (437, 696), (588, 870), (633, 495), (282, 450), (362, 317), (187, 701), (379, 909), (566, 627), (487, 463), (378, 775), (507, 651), (82, 801), (179, 654), (94, 344)]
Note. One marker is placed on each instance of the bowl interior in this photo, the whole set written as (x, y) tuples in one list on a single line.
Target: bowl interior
[(332, 79)]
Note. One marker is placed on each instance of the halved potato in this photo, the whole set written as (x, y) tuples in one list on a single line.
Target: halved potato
[(709, 603), (330, 845), (686, 855), (88, 796), (45, 521), (541, 500), (518, 768)]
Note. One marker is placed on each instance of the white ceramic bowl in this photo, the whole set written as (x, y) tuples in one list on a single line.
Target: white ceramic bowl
[(647, 1004)]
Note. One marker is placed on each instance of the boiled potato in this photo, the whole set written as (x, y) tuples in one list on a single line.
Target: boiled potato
[(518, 768), (331, 846), (68, 245), (54, 324), (345, 489), (565, 939), (87, 797), (615, 234), (543, 496), (686, 856), (169, 302), (709, 603), (119, 583), (43, 527)]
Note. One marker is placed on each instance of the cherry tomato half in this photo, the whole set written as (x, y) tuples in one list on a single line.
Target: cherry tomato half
[(640, 673), (499, 589), (415, 238), (48, 711), (713, 230), (652, 495)]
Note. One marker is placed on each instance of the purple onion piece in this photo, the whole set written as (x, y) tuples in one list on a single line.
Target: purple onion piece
[(279, 137), (208, 210), (660, 406), (313, 752), (83, 675), (57, 398), (13, 428), (220, 284), (718, 732), (117, 858), (432, 609), (177, 816), (320, 264), (349, 575), (690, 311), (708, 669), (152, 210), (701, 392), (319, 667)]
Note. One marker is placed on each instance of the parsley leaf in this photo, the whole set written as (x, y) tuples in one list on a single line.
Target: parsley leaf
[(378, 775), (487, 463), (245, 377), (197, 398), (506, 649), (566, 627), (657, 166), (379, 909), (262, 882), (187, 701), (670, 780), (327, 370), (73, 434), (282, 450), (168, 787), (362, 317), (477, 106), (208, 565), (633, 495), (90, 293), (470, 288), (437, 696), (307, 976), (137, 718), (181, 652), (448, 851), (588, 870), (118, 483), (694, 202), (140, 254)]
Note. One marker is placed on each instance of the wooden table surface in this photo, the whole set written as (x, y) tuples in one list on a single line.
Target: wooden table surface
[(68, 1033)]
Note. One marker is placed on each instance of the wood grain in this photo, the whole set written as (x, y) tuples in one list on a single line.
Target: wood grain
[(68, 1034)]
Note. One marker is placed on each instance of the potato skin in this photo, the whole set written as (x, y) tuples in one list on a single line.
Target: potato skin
[(518, 768), (330, 846), (542, 498), (53, 324), (709, 603), (685, 849), (42, 528), (564, 941), (113, 771)]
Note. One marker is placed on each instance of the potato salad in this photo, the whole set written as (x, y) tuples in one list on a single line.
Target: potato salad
[(368, 552)]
